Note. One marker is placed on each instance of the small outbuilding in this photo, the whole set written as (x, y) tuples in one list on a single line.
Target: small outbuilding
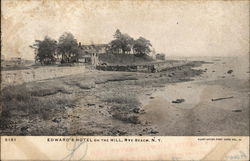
[(160, 57)]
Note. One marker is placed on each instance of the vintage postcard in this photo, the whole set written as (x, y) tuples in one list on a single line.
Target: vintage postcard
[(124, 80)]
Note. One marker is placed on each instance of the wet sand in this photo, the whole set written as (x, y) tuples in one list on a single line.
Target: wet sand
[(198, 114)]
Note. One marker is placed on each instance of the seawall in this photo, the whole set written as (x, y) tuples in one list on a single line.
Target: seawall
[(147, 68), (15, 77)]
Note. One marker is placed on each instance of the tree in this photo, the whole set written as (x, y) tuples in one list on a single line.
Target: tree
[(127, 43), (45, 50), (122, 42), (68, 48), (117, 34), (142, 46)]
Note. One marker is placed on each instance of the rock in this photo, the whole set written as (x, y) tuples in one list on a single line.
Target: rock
[(118, 132), (101, 106), (136, 110), (142, 111), (66, 107), (151, 97), (90, 104), (237, 110), (57, 120), (178, 101), (25, 128), (153, 131), (230, 71), (213, 71)]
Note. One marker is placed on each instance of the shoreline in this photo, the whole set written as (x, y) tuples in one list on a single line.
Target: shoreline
[(113, 95), (105, 103), (215, 103)]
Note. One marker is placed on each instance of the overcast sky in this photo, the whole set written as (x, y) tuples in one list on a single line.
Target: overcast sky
[(184, 28)]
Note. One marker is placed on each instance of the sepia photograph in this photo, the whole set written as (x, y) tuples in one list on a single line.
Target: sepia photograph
[(124, 68)]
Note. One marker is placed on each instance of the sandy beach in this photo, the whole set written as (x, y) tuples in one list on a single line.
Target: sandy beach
[(200, 113)]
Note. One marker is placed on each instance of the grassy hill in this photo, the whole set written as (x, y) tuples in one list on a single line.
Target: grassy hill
[(124, 59)]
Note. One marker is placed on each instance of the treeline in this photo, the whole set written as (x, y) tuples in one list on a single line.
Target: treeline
[(67, 49), (123, 43)]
